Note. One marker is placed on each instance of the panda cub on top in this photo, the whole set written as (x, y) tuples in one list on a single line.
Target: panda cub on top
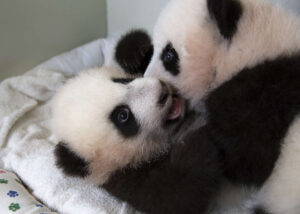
[(118, 131), (241, 58)]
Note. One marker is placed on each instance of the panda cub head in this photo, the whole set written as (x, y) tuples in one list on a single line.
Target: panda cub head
[(106, 120), (200, 44)]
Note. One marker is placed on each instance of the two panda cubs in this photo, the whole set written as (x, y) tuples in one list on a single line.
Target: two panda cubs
[(117, 132), (235, 65)]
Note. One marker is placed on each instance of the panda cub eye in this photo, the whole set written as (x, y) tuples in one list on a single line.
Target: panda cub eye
[(169, 56), (123, 115), (170, 59), (124, 120)]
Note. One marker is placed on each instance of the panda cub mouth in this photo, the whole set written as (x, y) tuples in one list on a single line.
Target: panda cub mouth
[(176, 109), (174, 103)]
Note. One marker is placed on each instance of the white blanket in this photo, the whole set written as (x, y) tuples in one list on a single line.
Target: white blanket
[(26, 143)]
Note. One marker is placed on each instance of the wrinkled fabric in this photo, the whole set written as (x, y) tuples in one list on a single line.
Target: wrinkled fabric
[(26, 142)]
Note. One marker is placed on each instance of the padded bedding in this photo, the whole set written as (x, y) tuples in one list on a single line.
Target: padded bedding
[(26, 143)]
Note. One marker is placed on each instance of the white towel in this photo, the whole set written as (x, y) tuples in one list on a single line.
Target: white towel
[(26, 143)]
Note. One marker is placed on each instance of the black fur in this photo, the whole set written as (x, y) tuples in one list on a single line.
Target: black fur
[(260, 210), (248, 117), (128, 129), (134, 52), (227, 14), (124, 81), (170, 59), (70, 162), (183, 181)]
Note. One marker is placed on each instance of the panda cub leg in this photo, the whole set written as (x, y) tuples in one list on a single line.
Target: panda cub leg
[(281, 192)]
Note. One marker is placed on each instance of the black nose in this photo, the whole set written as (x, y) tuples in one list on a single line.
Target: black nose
[(163, 94)]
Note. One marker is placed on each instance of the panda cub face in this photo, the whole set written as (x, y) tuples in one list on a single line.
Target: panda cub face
[(184, 47), (200, 44), (106, 120)]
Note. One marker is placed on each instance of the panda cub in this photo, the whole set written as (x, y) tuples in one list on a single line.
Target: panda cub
[(118, 133), (241, 58)]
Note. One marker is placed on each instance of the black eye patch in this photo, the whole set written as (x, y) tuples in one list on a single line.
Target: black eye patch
[(170, 59), (124, 81), (124, 121)]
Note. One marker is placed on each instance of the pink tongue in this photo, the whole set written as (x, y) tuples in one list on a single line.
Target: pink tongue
[(175, 109)]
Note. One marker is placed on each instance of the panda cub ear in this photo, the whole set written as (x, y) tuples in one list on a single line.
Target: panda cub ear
[(70, 163), (226, 14), (134, 52)]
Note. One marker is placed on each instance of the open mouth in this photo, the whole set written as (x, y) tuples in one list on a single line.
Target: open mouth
[(176, 109), (170, 98)]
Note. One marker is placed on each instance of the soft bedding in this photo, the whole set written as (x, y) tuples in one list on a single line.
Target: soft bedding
[(26, 143)]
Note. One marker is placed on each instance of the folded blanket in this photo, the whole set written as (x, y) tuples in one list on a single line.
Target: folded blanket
[(26, 143)]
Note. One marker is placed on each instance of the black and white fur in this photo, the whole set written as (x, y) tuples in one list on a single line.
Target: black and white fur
[(242, 59), (114, 131)]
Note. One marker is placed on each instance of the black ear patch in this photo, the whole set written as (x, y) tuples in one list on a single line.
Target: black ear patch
[(134, 52), (70, 163), (227, 14)]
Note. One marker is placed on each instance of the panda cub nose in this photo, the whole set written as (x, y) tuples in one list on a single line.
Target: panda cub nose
[(163, 94)]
